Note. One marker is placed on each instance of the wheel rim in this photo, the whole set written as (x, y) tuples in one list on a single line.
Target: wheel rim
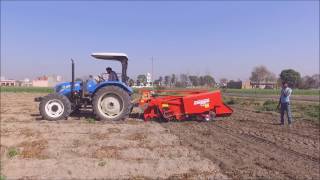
[(54, 108), (110, 105)]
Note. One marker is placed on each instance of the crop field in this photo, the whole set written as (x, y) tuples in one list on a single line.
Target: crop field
[(26, 89), (247, 145), (307, 92)]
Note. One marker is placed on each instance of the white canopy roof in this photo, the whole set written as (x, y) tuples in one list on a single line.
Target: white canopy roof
[(110, 56), (123, 58)]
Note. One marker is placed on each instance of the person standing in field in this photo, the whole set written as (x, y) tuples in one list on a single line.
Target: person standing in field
[(284, 103)]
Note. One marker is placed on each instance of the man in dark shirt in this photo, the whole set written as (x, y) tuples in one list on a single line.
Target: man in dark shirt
[(112, 75)]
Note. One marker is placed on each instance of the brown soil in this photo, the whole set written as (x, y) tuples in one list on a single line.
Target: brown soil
[(246, 145), (252, 145), (79, 149), (33, 149)]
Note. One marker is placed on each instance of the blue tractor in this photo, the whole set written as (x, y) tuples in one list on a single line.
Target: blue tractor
[(110, 100)]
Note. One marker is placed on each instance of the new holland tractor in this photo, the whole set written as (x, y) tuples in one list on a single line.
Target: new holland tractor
[(110, 100)]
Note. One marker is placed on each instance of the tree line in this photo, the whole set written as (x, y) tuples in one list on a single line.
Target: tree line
[(174, 80), (259, 74)]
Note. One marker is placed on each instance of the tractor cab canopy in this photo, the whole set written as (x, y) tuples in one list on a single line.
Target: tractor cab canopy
[(123, 58)]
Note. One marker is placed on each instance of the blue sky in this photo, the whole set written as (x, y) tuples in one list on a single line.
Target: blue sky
[(223, 39)]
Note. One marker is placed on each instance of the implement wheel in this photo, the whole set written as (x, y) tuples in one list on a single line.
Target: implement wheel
[(111, 103), (55, 107)]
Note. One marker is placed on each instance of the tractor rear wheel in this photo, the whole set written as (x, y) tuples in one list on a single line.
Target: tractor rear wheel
[(55, 107), (111, 103)]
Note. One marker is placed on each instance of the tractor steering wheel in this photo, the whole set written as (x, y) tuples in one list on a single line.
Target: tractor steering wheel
[(101, 78)]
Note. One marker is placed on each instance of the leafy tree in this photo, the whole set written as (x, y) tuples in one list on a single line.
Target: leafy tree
[(201, 81), (194, 80), (138, 82), (142, 79), (167, 80), (131, 82), (290, 76), (209, 80), (160, 80)]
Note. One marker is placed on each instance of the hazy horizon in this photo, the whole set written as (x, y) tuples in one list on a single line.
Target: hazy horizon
[(223, 39)]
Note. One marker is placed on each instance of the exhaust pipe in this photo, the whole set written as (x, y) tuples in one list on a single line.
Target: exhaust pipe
[(72, 79)]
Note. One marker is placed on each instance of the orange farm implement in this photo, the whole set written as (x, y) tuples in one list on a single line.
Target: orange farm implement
[(182, 104)]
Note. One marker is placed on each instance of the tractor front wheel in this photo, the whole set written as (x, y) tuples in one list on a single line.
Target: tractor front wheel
[(55, 107), (111, 103)]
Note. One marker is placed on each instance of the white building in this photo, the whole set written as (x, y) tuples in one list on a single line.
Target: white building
[(149, 80), (47, 81), (7, 82)]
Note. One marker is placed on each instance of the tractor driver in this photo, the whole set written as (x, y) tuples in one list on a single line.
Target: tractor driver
[(112, 76)]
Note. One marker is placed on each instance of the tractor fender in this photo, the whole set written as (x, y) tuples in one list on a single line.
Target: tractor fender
[(114, 83)]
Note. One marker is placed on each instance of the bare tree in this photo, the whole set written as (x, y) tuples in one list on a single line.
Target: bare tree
[(260, 74), (271, 77), (173, 80), (184, 80), (308, 82), (316, 78)]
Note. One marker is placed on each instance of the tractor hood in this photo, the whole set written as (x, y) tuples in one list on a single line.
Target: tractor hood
[(123, 58)]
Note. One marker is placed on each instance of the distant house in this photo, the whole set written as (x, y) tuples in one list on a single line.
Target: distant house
[(46, 81), (264, 85), (234, 84), (25, 83), (8, 82), (249, 85), (246, 85)]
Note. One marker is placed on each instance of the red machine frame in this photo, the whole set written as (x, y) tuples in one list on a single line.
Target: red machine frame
[(182, 104)]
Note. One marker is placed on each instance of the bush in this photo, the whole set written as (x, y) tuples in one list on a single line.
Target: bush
[(16, 89), (2, 177), (269, 105), (91, 120), (12, 152), (160, 87), (313, 111), (231, 101)]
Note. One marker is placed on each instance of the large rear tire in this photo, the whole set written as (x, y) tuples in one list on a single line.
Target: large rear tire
[(111, 103), (55, 107)]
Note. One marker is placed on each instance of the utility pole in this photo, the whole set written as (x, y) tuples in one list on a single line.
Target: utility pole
[(152, 71)]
